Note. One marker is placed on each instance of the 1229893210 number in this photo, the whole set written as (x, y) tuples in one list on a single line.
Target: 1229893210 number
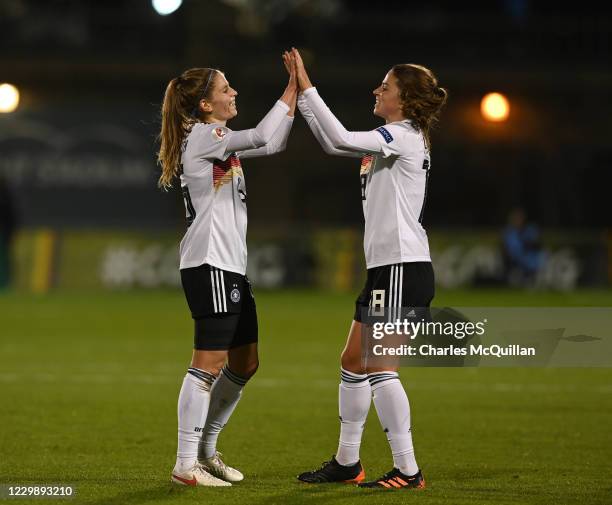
[(40, 491)]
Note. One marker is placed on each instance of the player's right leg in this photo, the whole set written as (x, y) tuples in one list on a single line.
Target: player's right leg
[(354, 399), (193, 403)]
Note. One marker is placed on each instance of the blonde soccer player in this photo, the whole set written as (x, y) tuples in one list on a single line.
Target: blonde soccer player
[(394, 174), (198, 148)]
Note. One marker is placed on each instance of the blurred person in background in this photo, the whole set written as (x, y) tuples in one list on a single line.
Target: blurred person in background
[(8, 223), (394, 174), (198, 147), (522, 250)]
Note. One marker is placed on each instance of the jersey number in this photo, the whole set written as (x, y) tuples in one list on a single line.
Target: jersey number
[(426, 168), (190, 211)]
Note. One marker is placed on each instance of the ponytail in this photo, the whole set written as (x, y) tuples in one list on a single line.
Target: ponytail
[(171, 136), (180, 111)]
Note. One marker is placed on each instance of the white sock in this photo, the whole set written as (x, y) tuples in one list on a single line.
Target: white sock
[(354, 398), (192, 409), (393, 411), (224, 397)]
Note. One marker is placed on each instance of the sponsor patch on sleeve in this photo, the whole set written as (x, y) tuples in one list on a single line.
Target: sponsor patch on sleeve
[(385, 133), (219, 133)]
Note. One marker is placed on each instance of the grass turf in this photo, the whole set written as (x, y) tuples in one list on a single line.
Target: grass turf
[(89, 384)]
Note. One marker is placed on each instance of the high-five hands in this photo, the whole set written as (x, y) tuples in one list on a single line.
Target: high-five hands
[(293, 61), (291, 91), (302, 76), (291, 68)]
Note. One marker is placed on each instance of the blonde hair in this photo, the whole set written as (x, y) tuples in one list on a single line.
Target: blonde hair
[(180, 111)]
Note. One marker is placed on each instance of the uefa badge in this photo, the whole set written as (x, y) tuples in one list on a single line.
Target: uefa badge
[(219, 133), (235, 295)]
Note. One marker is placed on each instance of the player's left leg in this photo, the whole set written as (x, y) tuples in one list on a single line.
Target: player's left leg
[(225, 395), (393, 409), (242, 364), (416, 285)]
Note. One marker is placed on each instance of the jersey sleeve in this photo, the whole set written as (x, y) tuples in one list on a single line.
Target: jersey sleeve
[(314, 126), (218, 142), (277, 143), (385, 140), (209, 141)]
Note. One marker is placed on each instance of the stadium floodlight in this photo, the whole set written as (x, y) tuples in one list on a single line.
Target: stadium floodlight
[(9, 97), (495, 107), (165, 7)]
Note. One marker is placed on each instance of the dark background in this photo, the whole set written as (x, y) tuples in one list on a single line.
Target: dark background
[(80, 150)]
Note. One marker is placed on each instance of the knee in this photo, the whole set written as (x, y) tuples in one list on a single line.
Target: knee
[(209, 361), (351, 363), (246, 370), (214, 369), (378, 369), (251, 369)]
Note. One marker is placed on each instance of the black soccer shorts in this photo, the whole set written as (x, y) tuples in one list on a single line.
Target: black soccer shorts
[(223, 307), (407, 285)]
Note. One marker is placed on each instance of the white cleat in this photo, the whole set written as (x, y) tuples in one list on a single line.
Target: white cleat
[(197, 476), (219, 469)]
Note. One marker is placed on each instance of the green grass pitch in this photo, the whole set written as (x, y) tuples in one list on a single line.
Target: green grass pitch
[(89, 384)]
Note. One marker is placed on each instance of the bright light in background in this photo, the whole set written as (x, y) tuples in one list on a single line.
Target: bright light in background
[(495, 107), (9, 97), (165, 7)]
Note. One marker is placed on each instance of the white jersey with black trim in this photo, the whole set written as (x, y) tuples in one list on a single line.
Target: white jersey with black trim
[(214, 188), (394, 174)]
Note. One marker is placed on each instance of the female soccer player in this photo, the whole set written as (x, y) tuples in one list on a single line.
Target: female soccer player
[(394, 174), (198, 147)]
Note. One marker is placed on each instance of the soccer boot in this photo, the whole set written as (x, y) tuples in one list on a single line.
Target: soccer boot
[(197, 476), (215, 466), (332, 471), (397, 480)]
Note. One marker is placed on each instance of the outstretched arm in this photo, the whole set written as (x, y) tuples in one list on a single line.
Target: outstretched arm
[(272, 129), (289, 59), (314, 126), (258, 136), (277, 143), (376, 141)]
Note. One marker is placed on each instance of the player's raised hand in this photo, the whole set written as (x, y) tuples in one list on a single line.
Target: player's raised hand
[(302, 76), (290, 66), (291, 91)]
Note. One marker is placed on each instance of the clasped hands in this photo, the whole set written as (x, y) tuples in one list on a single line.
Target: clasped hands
[(294, 64)]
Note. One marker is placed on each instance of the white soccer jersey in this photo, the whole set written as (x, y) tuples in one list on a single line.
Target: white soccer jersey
[(394, 175), (214, 189)]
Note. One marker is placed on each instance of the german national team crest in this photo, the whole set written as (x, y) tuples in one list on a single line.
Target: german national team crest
[(235, 295), (366, 164)]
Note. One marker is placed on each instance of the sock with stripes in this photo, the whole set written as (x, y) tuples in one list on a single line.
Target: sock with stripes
[(193, 402), (354, 398), (393, 411), (224, 397)]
